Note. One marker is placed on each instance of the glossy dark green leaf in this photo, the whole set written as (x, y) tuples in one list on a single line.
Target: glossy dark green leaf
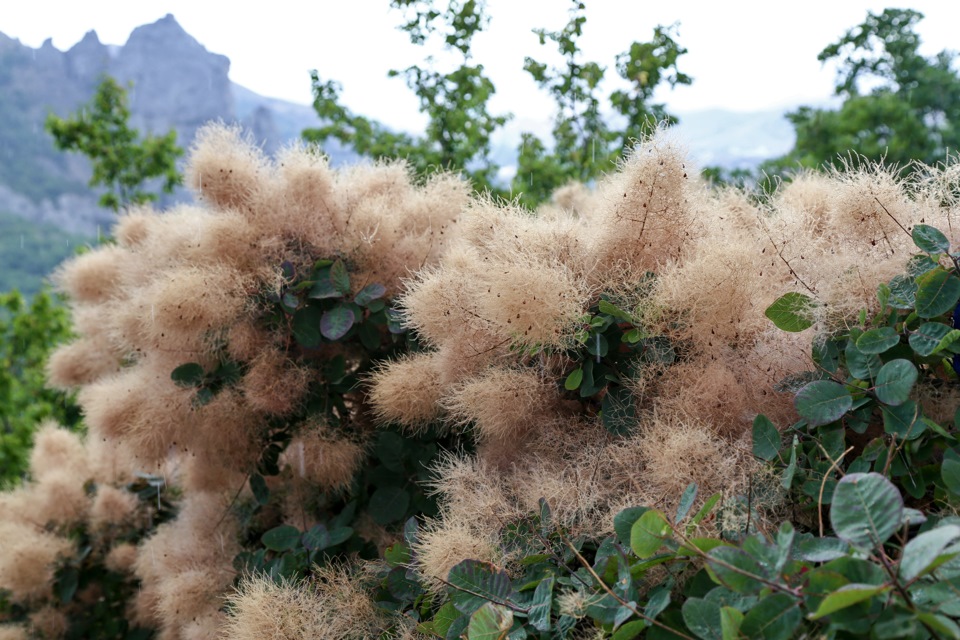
[(930, 239), (473, 583), (903, 420), (950, 471), (903, 292), (306, 326), (389, 504), (702, 617), (866, 510), (775, 617), (937, 293), (927, 337), (791, 312), (188, 375), (925, 552), (861, 365), (259, 488), (340, 278), (877, 340), (823, 402), (623, 522), (539, 612), (281, 538), (895, 381), (847, 595)]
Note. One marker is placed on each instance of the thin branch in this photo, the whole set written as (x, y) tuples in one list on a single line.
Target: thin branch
[(891, 216), (833, 465)]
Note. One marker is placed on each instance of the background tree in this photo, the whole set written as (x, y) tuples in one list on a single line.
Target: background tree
[(910, 112), (585, 140), (29, 331), (123, 161), (460, 124)]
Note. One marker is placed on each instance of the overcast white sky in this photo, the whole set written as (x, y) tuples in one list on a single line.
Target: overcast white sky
[(743, 55)]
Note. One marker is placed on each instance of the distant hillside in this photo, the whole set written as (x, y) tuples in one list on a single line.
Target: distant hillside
[(29, 251), (176, 83)]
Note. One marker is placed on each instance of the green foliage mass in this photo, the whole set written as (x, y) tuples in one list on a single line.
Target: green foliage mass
[(910, 113), (460, 126), (122, 161), (29, 330)]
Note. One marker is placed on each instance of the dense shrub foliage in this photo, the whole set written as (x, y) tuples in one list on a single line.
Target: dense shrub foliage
[(347, 404)]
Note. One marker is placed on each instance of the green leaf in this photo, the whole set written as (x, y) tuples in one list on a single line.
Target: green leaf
[(490, 622), (866, 510), (861, 365), (847, 595), (822, 549), (786, 481), (472, 584), (336, 322), (686, 502), (648, 533), (188, 375), (903, 292), (950, 471), (539, 613), (623, 522), (630, 630), (389, 504), (923, 554), (618, 410), (306, 326), (702, 617), (340, 278), (68, 579), (323, 287), (775, 617), (730, 622), (282, 538), (926, 339), (766, 438), (903, 420), (259, 488), (822, 402), (369, 293), (444, 618), (736, 569), (878, 340), (791, 312), (612, 310), (940, 623), (572, 383), (895, 381), (937, 293), (930, 239), (704, 511)]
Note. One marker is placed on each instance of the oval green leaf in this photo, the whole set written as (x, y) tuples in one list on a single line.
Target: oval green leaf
[(866, 510), (791, 312), (282, 538), (490, 622), (776, 617), (702, 617), (845, 596), (648, 533), (878, 340), (370, 293), (766, 438), (187, 375), (822, 402), (388, 504), (937, 293), (895, 381), (930, 239), (924, 553), (336, 322), (925, 340)]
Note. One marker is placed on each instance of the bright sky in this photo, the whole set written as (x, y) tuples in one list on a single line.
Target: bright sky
[(744, 55)]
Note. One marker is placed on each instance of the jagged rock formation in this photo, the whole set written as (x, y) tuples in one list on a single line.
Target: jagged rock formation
[(176, 83)]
